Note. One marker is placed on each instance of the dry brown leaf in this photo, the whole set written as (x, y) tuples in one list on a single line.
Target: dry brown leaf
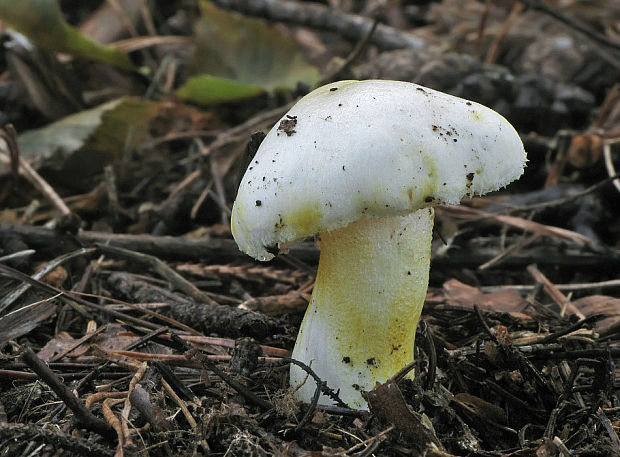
[(601, 304), (59, 343), (480, 408), (386, 401), (115, 337), (56, 277), (547, 448), (507, 301)]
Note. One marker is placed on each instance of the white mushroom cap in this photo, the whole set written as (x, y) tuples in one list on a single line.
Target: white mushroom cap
[(355, 149)]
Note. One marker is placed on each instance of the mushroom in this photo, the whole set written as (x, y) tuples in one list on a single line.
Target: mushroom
[(360, 164)]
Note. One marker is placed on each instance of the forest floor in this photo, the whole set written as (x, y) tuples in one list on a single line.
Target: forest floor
[(130, 322)]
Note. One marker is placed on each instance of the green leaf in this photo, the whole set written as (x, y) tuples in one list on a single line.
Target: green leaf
[(42, 22), (232, 48), (207, 89), (81, 144)]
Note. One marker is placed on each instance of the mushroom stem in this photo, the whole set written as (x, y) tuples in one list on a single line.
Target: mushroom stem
[(359, 327)]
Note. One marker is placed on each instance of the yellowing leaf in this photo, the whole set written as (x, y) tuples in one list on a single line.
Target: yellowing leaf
[(42, 22), (242, 55), (83, 143)]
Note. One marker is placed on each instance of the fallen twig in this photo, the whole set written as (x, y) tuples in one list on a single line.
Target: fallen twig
[(560, 299), (160, 267), (84, 417), (73, 298), (48, 267), (195, 355), (318, 16), (517, 222), (540, 5), (218, 250), (565, 287), (571, 328)]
